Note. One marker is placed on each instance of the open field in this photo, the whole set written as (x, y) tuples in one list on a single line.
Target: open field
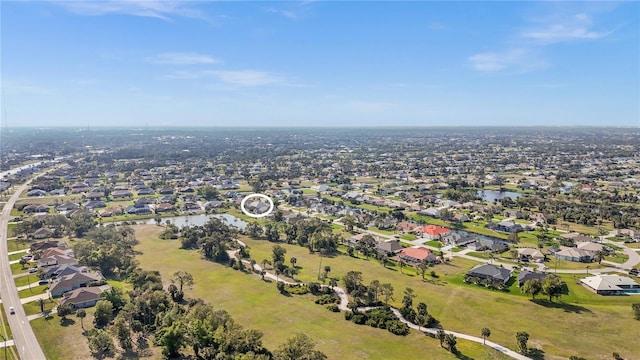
[(560, 329), (257, 304)]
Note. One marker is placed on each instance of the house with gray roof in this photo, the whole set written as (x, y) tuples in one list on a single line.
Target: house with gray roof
[(490, 272)]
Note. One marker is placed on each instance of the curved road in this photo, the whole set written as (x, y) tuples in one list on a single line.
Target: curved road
[(23, 336)]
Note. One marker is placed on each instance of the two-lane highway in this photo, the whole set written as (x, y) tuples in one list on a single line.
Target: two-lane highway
[(25, 340)]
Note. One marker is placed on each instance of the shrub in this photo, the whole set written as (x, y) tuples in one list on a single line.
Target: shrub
[(397, 327), (359, 319), (297, 289), (327, 299), (333, 307), (348, 315)]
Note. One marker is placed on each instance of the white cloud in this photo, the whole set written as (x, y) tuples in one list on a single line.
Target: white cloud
[(161, 9), (576, 27), (237, 78), (516, 60), (180, 58), (245, 78), (285, 13)]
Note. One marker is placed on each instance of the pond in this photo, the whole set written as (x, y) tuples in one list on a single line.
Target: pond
[(492, 195), (199, 220)]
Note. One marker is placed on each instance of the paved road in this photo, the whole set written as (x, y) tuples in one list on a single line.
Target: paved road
[(25, 340)]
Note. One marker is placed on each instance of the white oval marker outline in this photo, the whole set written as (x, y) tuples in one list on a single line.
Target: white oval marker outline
[(271, 205)]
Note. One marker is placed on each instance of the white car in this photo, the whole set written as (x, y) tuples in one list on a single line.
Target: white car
[(32, 270), (12, 310)]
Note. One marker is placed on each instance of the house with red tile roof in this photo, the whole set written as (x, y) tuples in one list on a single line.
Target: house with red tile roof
[(433, 232), (416, 255)]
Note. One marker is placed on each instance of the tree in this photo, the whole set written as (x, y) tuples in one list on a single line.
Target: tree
[(81, 314), (617, 356), (172, 289), (599, 256), (441, 335), (451, 342), (486, 332), (298, 347), (172, 339), (277, 253), (386, 290), (103, 314), (636, 310), (100, 343), (553, 286), (423, 266), (422, 317), (293, 262), (352, 280), (65, 310), (182, 278), (532, 287), (522, 338), (23, 262), (407, 300), (116, 297), (41, 304), (123, 333)]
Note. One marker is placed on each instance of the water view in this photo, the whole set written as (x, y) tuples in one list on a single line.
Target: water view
[(199, 220), (492, 195)]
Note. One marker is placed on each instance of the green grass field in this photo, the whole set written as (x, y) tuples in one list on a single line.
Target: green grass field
[(25, 280), (560, 330), (32, 308), (257, 304), (35, 290), (15, 245)]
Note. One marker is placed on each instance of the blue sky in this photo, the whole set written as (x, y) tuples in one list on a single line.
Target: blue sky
[(320, 63)]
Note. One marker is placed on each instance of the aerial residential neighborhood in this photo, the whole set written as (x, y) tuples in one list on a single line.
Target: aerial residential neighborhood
[(68, 248)]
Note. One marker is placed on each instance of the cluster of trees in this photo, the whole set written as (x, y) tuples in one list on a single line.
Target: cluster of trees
[(109, 249), (636, 310), (551, 286), (448, 341), (176, 323), (78, 225), (312, 233), (363, 295), (587, 212), (213, 239), (382, 318)]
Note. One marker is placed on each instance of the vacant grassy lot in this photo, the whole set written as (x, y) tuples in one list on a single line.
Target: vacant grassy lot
[(257, 304), (560, 330)]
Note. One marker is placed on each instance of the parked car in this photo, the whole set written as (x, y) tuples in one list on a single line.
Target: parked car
[(32, 270), (633, 272), (43, 282), (27, 257)]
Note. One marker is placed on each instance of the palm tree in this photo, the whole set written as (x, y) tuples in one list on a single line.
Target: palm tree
[(401, 265), (265, 262), (293, 262), (600, 255), (81, 314), (41, 304), (485, 334)]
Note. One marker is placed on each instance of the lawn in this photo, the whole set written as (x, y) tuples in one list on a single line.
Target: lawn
[(17, 256), (619, 258), (409, 237), (434, 243), (35, 290), (25, 280), (257, 304), (32, 308), (15, 245)]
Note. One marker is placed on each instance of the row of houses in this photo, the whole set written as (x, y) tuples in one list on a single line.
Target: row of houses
[(77, 285)]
